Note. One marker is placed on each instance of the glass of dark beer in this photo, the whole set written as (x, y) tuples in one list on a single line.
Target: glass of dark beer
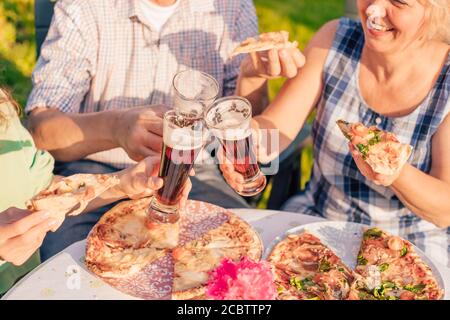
[(183, 140), (229, 120), (194, 91)]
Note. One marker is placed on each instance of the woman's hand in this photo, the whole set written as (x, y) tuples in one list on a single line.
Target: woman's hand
[(141, 180), (22, 233), (235, 179), (274, 63), (366, 170)]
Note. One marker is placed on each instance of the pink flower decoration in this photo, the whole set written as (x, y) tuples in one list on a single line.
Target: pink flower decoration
[(245, 280)]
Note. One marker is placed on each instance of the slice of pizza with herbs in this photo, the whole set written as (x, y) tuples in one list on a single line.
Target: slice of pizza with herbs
[(384, 153), (390, 269), (306, 269)]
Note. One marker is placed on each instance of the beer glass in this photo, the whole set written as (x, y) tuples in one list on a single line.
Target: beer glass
[(229, 121), (194, 91), (183, 140)]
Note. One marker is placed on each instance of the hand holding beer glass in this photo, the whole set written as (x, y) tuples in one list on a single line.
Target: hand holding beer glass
[(183, 140), (229, 120), (184, 135)]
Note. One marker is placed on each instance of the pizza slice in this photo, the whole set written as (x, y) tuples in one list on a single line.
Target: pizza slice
[(124, 240), (127, 226), (194, 261), (265, 41), (380, 149), (390, 269), (71, 195), (109, 263), (305, 269)]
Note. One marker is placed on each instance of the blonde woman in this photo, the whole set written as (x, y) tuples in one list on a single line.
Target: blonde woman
[(24, 171), (391, 70)]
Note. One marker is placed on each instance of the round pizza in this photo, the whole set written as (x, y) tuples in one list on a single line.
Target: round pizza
[(126, 249)]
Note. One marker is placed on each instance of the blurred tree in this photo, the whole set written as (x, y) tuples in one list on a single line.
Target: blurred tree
[(17, 46)]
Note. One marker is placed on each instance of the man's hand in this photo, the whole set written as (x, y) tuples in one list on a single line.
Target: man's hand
[(22, 233), (141, 180), (139, 131)]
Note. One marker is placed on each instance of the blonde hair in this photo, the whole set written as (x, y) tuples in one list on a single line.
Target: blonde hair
[(5, 97), (439, 20)]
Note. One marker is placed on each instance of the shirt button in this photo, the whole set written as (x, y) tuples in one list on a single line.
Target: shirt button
[(378, 120)]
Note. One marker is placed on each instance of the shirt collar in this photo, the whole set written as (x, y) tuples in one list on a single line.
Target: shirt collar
[(130, 8), (201, 5)]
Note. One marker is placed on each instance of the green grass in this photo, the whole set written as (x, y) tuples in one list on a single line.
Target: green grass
[(301, 18)]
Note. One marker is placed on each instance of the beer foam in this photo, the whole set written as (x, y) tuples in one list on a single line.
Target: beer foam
[(234, 127), (230, 119), (183, 138), (232, 134)]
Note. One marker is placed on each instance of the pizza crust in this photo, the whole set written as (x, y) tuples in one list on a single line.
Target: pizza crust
[(264, 42)]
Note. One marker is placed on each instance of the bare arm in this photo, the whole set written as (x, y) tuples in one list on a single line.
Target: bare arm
[(428, 196), (298, 96), (71, 136), (254, 90)]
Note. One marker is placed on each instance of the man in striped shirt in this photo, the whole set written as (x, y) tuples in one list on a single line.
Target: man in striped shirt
[(104, 79)]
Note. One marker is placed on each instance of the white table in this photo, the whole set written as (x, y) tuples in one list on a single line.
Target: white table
[(64, 276)]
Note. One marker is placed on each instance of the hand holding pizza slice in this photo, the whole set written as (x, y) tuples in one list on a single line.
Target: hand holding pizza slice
[(266, 41), (70, 195), (378, 154), (271, 55)]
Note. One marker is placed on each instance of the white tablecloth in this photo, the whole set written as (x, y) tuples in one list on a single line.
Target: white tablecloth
[(65, 277)]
